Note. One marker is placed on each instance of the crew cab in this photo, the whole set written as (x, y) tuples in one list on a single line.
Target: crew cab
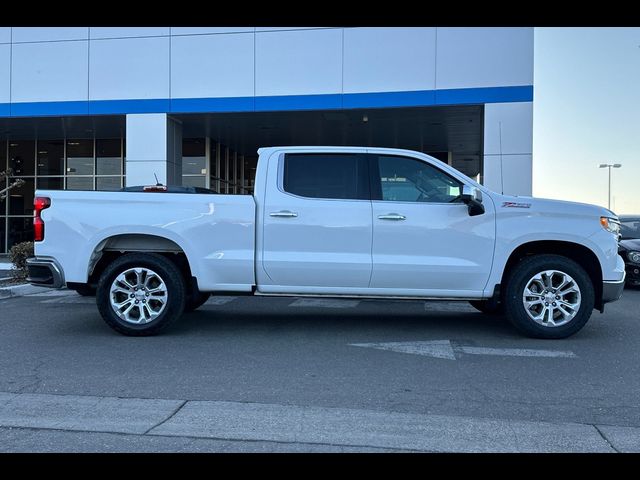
[(331, 222)]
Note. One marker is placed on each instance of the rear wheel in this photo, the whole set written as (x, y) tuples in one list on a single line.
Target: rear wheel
[(140, 294), (549, 296)]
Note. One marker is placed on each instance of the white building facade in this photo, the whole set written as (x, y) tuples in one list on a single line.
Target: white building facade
[(106, 107)]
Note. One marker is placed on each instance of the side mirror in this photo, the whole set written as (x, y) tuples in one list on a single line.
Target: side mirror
[(473, 198)]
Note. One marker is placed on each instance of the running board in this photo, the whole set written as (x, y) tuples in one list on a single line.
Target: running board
[(364, 297)]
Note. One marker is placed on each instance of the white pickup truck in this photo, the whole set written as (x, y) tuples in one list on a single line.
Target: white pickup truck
[(331, 222)]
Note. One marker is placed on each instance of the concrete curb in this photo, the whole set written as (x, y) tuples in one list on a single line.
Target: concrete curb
[(21, 290)]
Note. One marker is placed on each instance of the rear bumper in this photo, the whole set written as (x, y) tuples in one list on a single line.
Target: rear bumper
[(612, 291), (45, 272)]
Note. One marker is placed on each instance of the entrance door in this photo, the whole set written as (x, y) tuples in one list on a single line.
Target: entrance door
[(424, 241), (317, 225)]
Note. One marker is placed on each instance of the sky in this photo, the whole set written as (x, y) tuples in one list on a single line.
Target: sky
[(586, 111)]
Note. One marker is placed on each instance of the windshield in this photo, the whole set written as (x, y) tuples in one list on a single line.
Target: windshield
[(629, 228)]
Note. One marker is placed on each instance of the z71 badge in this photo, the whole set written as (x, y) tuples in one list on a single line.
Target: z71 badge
[(515, 205)]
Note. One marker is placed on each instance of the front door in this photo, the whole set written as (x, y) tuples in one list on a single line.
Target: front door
[(317, 225), (424, 241)]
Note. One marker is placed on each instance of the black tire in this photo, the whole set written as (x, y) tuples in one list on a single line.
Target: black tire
[(515, 287), (489, 306), (85, 290), (195, 299), (170, 275)]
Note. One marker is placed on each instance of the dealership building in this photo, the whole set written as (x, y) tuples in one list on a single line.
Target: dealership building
[(100, 108)]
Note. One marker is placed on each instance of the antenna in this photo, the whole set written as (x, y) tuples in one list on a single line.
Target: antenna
[(501, 174), (158, 184)]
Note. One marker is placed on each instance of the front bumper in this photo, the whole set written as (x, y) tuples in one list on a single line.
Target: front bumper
[(612, 291), (45, 272)]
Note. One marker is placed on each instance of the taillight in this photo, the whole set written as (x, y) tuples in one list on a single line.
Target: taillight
[(39, 204)]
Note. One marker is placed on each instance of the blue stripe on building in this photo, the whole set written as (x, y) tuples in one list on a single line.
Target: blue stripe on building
[(458, 96)]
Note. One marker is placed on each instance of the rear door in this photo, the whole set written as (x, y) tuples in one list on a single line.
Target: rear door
[(424, 241), (317, 224)]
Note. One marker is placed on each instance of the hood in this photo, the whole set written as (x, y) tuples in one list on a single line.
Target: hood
[(632, 244), (505, 203)]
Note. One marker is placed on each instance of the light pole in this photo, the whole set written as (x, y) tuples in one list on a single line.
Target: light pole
[(609, 166)]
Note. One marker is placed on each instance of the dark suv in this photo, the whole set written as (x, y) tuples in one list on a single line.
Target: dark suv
[(629, 247)]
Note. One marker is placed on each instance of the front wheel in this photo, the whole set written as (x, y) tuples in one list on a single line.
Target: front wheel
[(549, 296), (140, 294)]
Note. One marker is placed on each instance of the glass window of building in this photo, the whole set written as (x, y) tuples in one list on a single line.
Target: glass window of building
[(194, 162), (3, 180), (3, 234), (3, 202), (50, 183), (20, 229), (109, 156), (42, 165), (80, 157), (194, 181), (22, 157), (21, 198), (50, 157), (79, 183), (3, 156), (108, 183)]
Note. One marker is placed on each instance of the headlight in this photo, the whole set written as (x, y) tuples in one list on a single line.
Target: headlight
[(634, 256), (610, 225)]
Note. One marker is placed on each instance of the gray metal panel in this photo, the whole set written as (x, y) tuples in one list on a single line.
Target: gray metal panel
[(5, 73), (48, 34), (5, 34), (484, 57), (136, 68), (389, 59), (208, 30), (299, 62), (124, 32), (212, 66), (49, 71)]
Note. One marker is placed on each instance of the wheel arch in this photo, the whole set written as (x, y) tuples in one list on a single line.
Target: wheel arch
[(115, 245), (579, 253)]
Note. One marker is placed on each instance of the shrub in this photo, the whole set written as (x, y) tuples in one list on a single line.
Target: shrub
[(18, 255)]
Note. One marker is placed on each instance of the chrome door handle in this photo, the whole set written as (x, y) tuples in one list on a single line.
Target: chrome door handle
[(283, 214), (392, 216)]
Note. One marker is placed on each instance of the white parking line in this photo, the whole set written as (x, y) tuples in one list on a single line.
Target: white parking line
[(219, 300), (54, 293), (324, 303), (70, 299), (445, 349)]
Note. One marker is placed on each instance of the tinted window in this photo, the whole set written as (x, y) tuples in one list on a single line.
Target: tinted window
[(409, 180), (108, 157), (340, 176), (80, 157), (51, 157), (629, 228)]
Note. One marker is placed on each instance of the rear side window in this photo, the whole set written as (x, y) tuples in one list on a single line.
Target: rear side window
[(326, 175)]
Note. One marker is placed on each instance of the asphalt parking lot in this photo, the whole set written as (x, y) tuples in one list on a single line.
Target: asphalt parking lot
[(285, 374)]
